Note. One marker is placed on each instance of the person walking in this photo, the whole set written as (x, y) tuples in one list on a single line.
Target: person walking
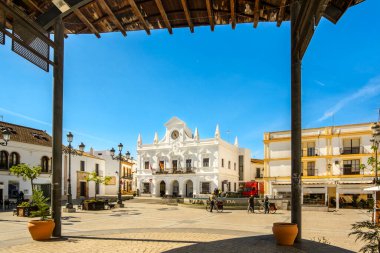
[(251, 203), (212, 201), (266, 204)]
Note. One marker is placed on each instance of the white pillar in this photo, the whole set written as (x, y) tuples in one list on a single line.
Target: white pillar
[(337, 198)]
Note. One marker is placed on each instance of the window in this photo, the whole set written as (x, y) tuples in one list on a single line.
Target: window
[(311, 169), (83, 186), (82, 166), (161, 164), (146, 188), (235, 187), (14, 159), (351, 146), (351, 167), (258, 173), (45, 164), (310, 149), (234, 166), (205, 188), (222, 163), (188, 164), (229, 164), (175, 164), (241, 167), (3, 160), (97, 169), (146, 165), (206, 162)]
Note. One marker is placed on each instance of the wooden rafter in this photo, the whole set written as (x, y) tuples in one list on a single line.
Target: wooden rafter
[(256, 14), (138, 14), (233, 14), (281, 13), (164, 16), (187, 14), (112, 16), (85, 21), (210, 14)]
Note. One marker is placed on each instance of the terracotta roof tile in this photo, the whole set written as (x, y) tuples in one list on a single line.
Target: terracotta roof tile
[(26, 134)]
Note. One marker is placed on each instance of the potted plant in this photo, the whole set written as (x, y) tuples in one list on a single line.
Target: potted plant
[(285, 233), (95, 204), (27, 173), (41, 229)]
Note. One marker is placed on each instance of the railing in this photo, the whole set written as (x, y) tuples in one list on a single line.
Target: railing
[(187, 170), (312, 172), (350, 171), (127, 176), (310, 152), (353, 150)]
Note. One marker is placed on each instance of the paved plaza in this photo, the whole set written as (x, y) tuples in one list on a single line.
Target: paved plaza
[(146, 227)]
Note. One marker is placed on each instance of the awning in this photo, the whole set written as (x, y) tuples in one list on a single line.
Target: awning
[(372, 189)]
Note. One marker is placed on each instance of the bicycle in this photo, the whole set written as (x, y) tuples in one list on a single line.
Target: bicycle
[(218, 206), (272, 208)]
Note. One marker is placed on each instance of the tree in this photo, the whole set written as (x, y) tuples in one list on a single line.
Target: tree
[(40, 201), (369, 232), (371, 161), (93, 176), (26, 172)]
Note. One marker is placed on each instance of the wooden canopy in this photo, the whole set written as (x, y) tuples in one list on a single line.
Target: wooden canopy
[(103, 16)]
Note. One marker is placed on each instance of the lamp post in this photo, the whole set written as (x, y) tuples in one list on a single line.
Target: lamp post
[(376, 141), (70, 151), (6, 137), (120, 158)]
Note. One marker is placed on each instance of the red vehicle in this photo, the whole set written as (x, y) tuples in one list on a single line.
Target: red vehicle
[(252, 188)]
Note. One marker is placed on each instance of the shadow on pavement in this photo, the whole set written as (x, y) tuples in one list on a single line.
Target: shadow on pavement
[(126, 239), (264, 243)]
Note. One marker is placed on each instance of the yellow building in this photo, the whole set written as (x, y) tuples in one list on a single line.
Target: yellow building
[(332, 165)]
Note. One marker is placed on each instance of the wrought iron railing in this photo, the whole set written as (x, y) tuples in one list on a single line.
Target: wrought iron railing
[(186, 170), (310, 152), (353, 150)]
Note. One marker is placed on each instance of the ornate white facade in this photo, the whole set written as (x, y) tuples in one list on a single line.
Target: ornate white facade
[(182, 164)]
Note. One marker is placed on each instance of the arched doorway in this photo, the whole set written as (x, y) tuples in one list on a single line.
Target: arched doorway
[(175, 188), (189, 188), (162, 188)]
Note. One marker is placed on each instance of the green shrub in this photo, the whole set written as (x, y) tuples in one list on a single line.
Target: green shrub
[(40, 201), (25, 204)]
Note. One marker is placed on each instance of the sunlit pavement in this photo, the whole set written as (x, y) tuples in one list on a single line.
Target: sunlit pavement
[(142, 227)]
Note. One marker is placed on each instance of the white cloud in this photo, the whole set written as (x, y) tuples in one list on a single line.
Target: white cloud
[(371, 89), (320, 83)]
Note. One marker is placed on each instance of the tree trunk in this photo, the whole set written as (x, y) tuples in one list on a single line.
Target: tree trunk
[(31, 182)]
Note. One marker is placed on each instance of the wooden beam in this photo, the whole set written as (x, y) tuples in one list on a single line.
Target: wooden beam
[(187, 14), (164, 16), (112, 16), (256, 14), (233, 14), (138, 14), (85, 21), (210, 13), (281, 13)]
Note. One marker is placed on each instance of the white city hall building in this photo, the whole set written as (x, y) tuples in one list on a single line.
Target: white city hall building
[(182, 164), (332, 164)]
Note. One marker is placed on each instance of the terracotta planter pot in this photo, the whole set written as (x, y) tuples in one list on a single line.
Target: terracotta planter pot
[(41, 229), (285, 233)]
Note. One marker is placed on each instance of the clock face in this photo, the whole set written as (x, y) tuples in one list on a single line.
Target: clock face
[(175, 134)]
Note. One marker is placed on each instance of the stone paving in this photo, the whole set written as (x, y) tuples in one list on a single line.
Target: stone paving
[(143, 227)]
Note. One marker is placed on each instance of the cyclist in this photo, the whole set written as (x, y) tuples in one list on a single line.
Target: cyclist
[(251, 203)]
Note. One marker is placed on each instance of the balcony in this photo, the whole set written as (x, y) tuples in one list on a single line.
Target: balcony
[(353, 150), (350, 171), (309, 152), (310, 172), (128, 176), (187, 170)]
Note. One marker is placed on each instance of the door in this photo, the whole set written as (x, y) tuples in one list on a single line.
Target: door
[(82, 189)]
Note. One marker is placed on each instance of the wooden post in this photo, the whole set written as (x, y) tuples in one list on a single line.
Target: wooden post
[(296, 129), (57, 125)]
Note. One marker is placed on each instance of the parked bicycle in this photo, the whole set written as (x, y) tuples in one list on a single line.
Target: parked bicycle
[(218, 206)]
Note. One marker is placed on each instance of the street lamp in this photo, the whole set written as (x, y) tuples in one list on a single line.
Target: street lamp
[(6, 137), (120, 158), (70, 151), (376, 141)]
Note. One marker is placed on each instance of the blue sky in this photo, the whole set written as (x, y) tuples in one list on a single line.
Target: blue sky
[(116, 87)]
